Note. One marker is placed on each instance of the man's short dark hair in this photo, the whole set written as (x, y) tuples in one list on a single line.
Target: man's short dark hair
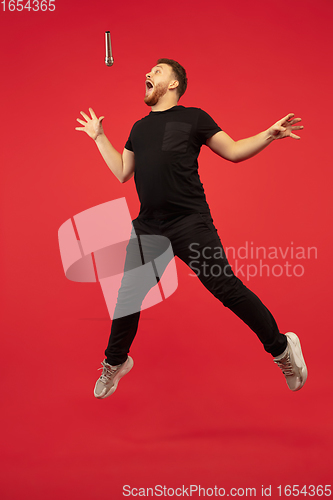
[(179, 72)]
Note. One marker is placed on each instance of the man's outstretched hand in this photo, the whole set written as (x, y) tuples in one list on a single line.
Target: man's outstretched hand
[(284, 128), (92, 126)]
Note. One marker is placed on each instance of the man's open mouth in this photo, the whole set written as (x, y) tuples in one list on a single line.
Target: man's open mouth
[(149, 87)]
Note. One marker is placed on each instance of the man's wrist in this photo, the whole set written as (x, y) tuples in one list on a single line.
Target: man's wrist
[(268, 136), (99, 137)]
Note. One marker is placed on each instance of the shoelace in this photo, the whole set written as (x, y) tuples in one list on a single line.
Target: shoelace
[(107, 373), (285, 365)]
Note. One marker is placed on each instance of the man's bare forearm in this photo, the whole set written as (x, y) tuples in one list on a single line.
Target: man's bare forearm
[(111, 156), (246, 148)]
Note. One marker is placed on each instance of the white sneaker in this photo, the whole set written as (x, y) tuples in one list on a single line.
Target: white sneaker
[(108, 381), (292, 363)]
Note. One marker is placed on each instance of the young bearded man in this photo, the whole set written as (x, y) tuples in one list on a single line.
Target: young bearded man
[(161, 152)]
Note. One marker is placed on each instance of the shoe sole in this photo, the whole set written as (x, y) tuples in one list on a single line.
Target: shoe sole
[(299, 356), (125, 369)]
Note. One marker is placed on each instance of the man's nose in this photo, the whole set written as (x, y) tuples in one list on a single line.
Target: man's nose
[(148, 75)]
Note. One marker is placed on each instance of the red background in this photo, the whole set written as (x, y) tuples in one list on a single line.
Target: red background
[(203, 404)]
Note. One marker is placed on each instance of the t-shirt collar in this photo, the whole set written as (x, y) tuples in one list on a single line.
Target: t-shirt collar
[(166, 110)]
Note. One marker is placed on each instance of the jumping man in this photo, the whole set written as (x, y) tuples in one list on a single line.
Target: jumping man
[(161, 152)]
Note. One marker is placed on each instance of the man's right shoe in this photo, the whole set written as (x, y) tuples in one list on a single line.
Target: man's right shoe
[(108, 381), (292, 363)]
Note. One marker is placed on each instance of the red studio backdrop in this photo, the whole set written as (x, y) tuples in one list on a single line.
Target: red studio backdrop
[(204, 411)]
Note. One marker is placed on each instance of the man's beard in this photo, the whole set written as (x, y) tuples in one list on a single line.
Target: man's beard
[(159, 91)]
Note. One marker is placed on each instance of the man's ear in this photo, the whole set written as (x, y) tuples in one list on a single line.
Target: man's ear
[(174, 84)]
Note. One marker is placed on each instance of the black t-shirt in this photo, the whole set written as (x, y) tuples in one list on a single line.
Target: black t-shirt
[(166, 145)]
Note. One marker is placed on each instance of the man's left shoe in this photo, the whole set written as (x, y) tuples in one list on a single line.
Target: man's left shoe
[(292, 363)]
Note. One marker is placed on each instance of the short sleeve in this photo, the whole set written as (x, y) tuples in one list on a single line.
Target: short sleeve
[(206, 126), (128, 144)]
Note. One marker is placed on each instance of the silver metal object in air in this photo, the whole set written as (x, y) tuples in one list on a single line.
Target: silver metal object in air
[(108, 50)]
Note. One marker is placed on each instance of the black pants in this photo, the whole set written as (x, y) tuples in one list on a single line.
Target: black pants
[(195, 241)]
